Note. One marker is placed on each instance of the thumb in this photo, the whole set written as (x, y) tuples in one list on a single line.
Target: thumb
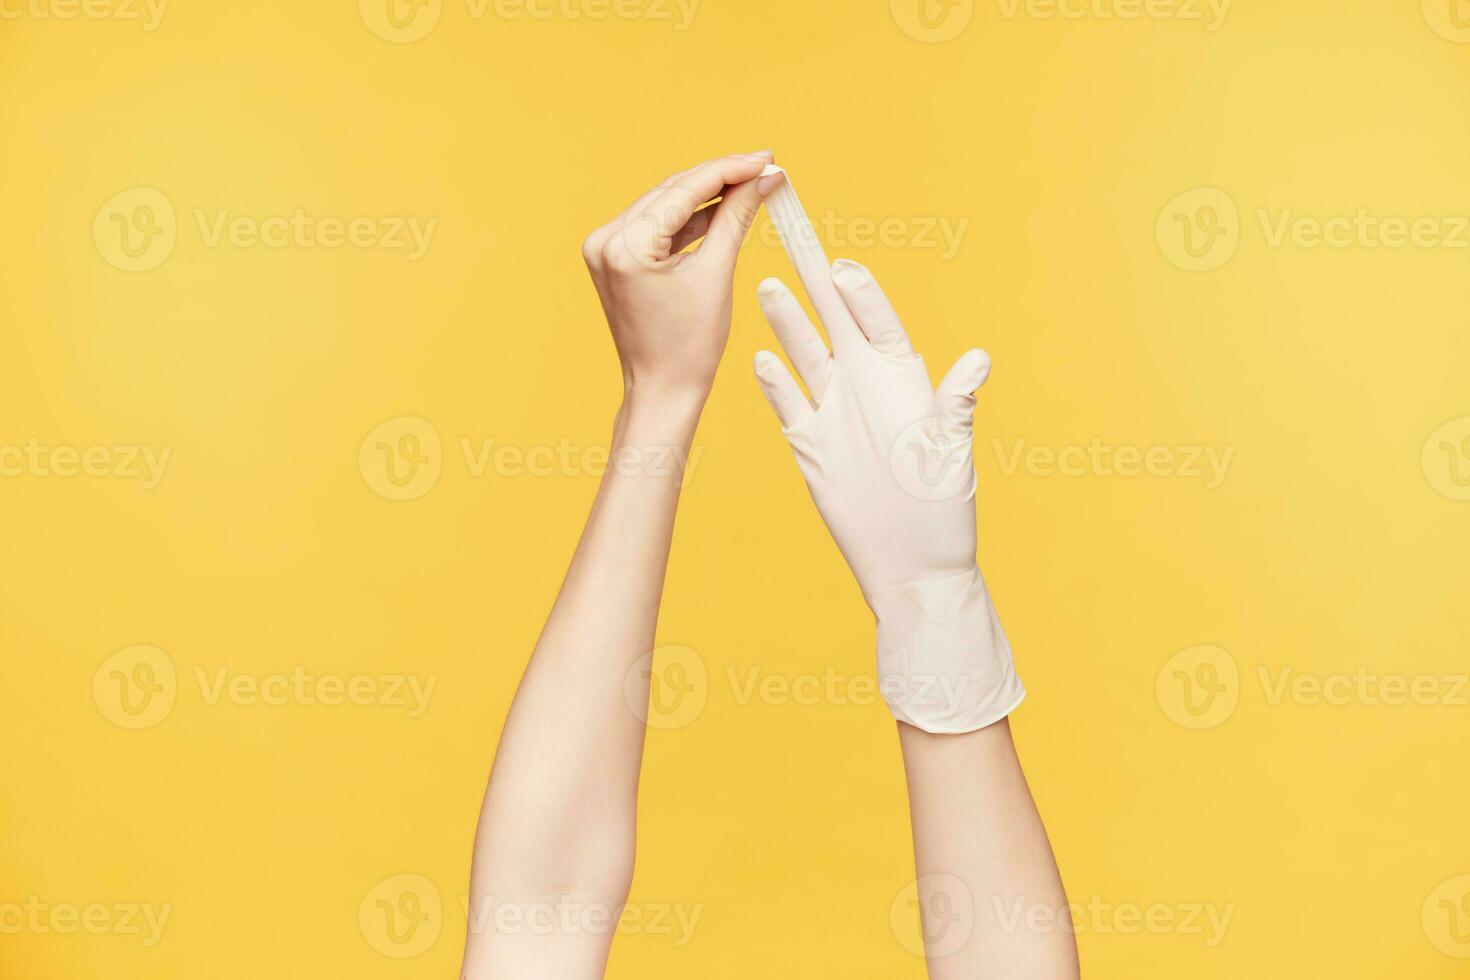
[(733, 217), (954, 400)]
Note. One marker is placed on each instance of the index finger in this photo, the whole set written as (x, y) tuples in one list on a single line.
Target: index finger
[(672, 209)]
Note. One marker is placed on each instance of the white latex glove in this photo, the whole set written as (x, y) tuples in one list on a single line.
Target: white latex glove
[(888, 461)]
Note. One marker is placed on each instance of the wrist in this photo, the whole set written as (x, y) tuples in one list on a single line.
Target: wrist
[(662, 408), (654, 430), (652, 400)]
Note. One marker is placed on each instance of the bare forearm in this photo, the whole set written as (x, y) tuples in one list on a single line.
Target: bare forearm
[(984, 862), (559, 814), (553, 855)]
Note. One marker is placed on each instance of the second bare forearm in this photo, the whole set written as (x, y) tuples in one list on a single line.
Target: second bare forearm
[(983, 855)]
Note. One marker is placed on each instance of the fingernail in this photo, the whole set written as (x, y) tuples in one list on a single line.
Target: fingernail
[(847, 271), (769, 287)]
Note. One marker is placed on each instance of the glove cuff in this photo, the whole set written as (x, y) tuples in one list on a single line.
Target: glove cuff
[(944, 663)]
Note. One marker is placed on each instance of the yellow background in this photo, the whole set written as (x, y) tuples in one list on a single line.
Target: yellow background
[(1324, 829)]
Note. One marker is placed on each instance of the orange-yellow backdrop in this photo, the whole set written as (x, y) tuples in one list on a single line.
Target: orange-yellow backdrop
[(1218, 254)]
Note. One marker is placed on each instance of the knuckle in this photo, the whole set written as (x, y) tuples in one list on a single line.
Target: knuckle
[(746, 210), (592, 249), (617, 257)]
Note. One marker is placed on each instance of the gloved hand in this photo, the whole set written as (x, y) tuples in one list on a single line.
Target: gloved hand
[(888, 461)]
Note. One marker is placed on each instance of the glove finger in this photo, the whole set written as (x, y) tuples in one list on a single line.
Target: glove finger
[(798, 336), (781, 391), (954, 400), (812, 265), (870, 308)]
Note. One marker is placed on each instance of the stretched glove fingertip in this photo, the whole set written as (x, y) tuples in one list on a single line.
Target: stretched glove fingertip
[(954, 400), (974, 367)]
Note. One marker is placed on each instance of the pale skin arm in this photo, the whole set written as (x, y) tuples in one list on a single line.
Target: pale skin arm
[(553, 858), (979, 844)]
